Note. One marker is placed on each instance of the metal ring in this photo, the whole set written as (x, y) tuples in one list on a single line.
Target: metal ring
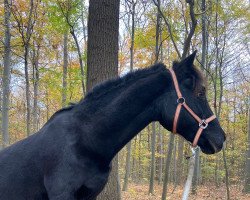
[(193, 149), (203, 124), (181, 100)]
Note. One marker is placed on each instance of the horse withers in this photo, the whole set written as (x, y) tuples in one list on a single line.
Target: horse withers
[(69, 158)]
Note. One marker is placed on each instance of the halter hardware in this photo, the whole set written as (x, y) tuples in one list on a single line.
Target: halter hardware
[(181, 100), (193, 149), (203, 123)]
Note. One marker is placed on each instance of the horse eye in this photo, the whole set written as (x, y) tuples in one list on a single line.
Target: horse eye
[(202, 92)]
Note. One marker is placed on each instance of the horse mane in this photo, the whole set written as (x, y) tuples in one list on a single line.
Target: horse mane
[(67, 108), (116, 83), (119, 82), (113, 84)]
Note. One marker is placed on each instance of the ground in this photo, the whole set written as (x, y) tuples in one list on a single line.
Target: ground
[(140, 192)]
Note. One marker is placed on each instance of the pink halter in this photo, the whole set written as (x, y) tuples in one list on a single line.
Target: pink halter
[(203, 123)]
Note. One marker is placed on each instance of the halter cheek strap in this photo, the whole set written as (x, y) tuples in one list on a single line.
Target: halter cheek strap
[(203, 123)]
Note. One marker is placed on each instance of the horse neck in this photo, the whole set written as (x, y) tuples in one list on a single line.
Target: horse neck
[(128, 112)]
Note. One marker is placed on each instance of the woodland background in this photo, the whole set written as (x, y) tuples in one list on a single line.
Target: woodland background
[(43, 67)]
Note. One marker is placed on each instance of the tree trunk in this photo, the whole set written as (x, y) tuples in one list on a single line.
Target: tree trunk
[(189, 178), (167, 167), (6, 74), (65, 70), (26, 43), (72, 31), (157, 34), (161, 153), (204, 37), (102, 64), (247, 171), (139, 154), (193, 25), (128, 156), (134, 169), (153, 139), (218, 109), (226, 173), (196, 171), (203, 66), (112, 189), (27, 89), (35, 84), (102, 45), (175, 164), (152, 168), (84, 28), (179, 162), (127, 168)]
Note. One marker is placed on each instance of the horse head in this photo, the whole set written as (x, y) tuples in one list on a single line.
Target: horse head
[(195, 120)]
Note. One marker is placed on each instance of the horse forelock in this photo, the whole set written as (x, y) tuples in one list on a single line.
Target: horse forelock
[(200, 82)]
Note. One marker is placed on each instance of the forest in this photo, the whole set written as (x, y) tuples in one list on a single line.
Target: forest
[(48, 60)]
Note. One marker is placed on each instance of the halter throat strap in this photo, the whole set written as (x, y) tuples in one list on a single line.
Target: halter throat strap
[(203, 123)]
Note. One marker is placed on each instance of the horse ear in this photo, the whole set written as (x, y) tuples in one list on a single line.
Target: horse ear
[(188, 61), (184, 69), (186, 65)]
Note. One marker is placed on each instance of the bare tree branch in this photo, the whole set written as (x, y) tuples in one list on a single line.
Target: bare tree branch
[(168, 27), (192, 29)]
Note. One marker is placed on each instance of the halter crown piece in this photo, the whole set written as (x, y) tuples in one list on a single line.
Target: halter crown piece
[(203, 123)]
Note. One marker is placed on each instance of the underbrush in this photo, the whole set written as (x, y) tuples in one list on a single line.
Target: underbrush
[(204, 192)]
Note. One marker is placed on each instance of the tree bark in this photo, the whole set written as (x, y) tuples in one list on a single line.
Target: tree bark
[(134, 173), (36, 77), (67, 13), (65, 69), (25, 31), (204, 37), (161, 153), (167, 167), (247, 171), (187, 41), (84, 28), (6, 74), (179, 162), (152, 168), (102, 50), (128, 156), (102, 64), (26, 42), (168, 25), (153, 139), (196, 171), (226, 173), (72, 31), (27, 89), (218, 108), (189, 178), (175, 165), (127, 167)]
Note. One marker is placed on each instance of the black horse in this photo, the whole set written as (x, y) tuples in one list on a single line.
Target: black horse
[(69, 158)]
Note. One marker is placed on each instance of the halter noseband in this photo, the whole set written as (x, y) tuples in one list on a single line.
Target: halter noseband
[(203, 123)]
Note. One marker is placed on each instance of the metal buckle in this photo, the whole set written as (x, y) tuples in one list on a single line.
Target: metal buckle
[(181, 100), (203, 124), (193, 149)]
